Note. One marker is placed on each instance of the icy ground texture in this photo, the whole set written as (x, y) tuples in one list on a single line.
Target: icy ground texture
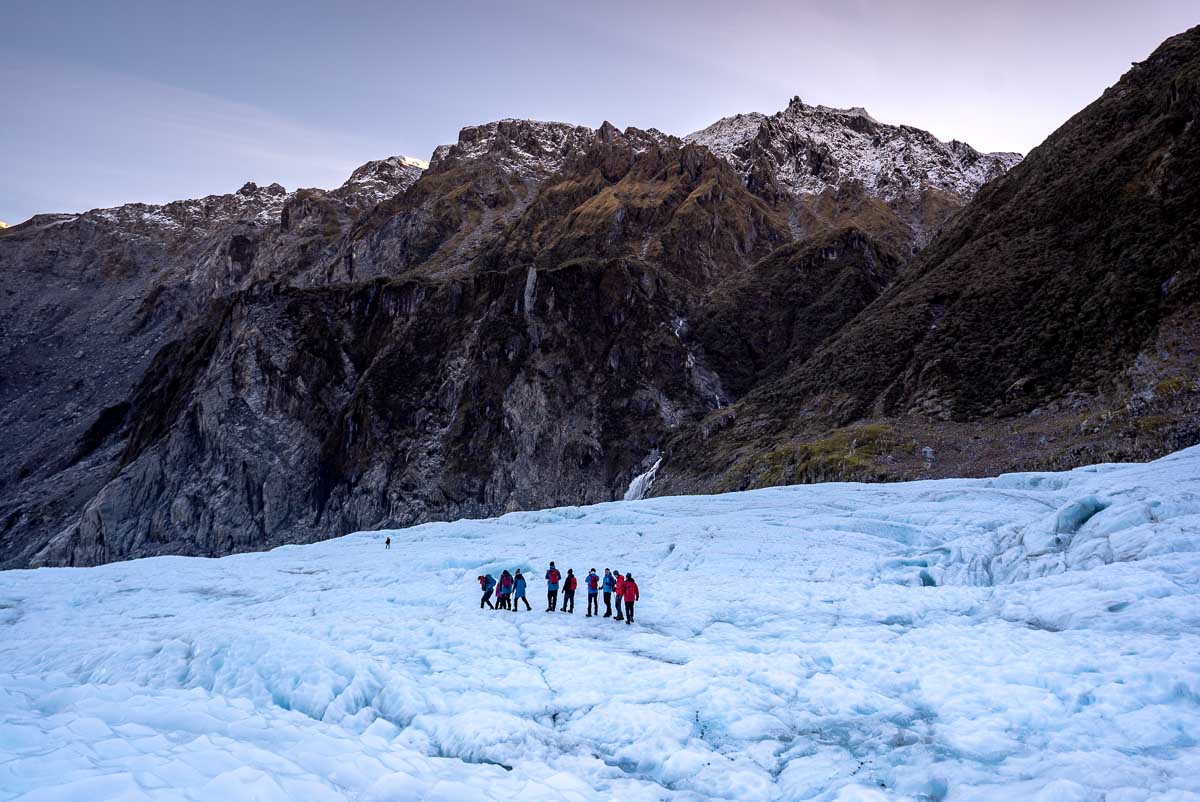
[(1031, 637), (812, 148)]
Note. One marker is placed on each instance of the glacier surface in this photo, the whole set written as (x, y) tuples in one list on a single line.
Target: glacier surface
[(1032, 637)]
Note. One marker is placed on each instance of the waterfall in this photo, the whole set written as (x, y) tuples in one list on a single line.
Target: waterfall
[(641, 483)]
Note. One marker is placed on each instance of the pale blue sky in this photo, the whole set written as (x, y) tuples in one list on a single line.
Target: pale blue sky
[(111, 102)]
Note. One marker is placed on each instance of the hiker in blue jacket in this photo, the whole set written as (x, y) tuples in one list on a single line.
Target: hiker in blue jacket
[(488, 583), (609, 584), (519, 592), (552, 577), (593, 588)]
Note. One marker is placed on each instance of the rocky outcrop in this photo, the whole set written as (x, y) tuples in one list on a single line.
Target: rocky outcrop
[(89, 301)]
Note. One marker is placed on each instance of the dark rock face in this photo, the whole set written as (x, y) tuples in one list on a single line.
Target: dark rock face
[(295, 413), (759, 323)]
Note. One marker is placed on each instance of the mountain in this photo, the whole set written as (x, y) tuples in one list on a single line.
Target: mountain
[(1053, 322), (826, 163), (548, 311)]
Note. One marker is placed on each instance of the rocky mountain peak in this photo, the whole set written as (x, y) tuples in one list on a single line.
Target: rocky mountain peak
[(804, 150), (535, 150), (251, 189), (380, 179), (529, 148)]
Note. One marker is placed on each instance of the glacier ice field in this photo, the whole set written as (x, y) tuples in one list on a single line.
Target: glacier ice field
[(1034, 636)]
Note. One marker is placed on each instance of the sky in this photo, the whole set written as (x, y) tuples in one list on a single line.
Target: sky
[(142, 100)]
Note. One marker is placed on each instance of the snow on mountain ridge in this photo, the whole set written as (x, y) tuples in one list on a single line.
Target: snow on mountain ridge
[(381, 179), (526, 147), (369, 184), (812, 148), (536, 149)]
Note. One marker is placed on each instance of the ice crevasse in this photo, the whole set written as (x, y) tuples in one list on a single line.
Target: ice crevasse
[(1034, 636)]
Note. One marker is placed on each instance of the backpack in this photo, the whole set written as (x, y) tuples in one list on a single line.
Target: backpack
[(572, 583)]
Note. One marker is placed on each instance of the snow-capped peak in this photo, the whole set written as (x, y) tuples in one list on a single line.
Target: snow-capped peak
[(535, 149), (381, 179), (250, 203), (366, 186), (531, 148), (807, 149)]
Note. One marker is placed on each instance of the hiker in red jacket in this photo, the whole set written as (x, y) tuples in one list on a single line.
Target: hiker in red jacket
[(569, 591), (552, 577), (504, 591), (630, 592), (620, 588)]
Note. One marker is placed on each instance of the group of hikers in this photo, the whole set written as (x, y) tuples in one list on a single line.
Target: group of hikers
[(510, 592)]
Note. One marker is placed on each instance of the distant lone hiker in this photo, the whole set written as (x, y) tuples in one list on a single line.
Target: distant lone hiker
[(630, 592), (569, 591), (519, 592), (387, 544), (552, 577), (487, 583), (593, 587), (609, 585)]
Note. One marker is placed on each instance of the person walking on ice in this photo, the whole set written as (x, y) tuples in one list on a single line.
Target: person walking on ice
[(569, 586), (387, 544), (552, 577), (610, 584), (593, 587), (507, 584), (630, 591), (620, 588), (487, 583), (504, 591), (519, 592)]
